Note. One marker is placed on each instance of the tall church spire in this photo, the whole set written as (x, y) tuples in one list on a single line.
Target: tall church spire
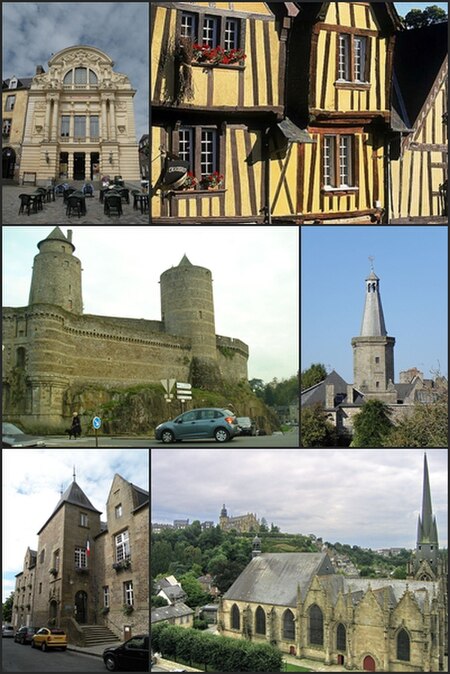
[(427, 546)]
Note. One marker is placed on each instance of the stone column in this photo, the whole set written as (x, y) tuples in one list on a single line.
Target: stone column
[(71, 127), (55, 119), (112, 112), (88, 127), (87, 166), (47, 119), (104, 133), (70, 166)]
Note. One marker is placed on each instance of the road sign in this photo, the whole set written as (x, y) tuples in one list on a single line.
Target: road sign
[(184, 391), (168, 384), (97, 423), (168, 397)]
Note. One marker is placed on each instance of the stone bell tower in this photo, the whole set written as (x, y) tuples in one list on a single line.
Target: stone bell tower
[(373, 350), (57, 273)]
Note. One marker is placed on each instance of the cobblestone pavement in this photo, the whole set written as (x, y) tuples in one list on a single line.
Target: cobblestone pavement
[(54, 212)]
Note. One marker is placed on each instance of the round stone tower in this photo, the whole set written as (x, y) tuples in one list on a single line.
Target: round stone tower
[(187, 307), (57, 273)]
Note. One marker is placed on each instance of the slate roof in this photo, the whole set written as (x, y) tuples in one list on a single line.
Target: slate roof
[(22, 83), (168, 612), (174, 593), (56, 235), (272, 578), (418, 56), (317, 394), (75, 496), (141, 495)]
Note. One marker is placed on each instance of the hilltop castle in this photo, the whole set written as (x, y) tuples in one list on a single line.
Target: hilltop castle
[(52, 351)]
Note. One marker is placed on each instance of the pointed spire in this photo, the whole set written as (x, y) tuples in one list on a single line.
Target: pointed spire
[(427, 523), (185, 262), (373, 319), (74, 474)]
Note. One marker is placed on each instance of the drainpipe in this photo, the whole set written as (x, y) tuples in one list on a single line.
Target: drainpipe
[(267, 207)]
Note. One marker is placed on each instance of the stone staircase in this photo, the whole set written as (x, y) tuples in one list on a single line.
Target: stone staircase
[(94, 635)]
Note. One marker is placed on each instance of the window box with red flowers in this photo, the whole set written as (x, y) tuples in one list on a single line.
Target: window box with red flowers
[(206, 55), (190, 183), (214, 181)]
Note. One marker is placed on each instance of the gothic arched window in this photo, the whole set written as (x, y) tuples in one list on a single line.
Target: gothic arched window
[(260, 621), (315, 625), (403, 648), (340, 637), (235, 618), (288, 625)]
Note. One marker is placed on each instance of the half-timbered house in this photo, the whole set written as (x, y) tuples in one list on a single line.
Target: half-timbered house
[(419, 150), (339, 75), (218, 104)]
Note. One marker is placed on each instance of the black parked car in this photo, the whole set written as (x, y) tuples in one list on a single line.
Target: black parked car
[(131, 656), (24, 635), (247, 426)]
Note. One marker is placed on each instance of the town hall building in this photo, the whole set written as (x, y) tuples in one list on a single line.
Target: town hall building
[(297, 602), (88, 576)]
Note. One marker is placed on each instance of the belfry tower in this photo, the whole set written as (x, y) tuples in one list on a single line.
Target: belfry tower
[(426, 560), (373, 350)]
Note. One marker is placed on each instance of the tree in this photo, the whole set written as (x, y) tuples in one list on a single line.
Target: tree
[(313, 375), (158, 602), (426, 427), (400, 572), (195, 594), (316, 429), (417, 18), (371, 425), (7, 608)]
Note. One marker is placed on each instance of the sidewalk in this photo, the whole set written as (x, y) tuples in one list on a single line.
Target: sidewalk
[(94, 650), (54, 212)]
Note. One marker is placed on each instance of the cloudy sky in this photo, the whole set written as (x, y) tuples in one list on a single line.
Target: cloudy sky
[(412, 264), (32, 483), (33, 31), (365, 497), (254, 270)]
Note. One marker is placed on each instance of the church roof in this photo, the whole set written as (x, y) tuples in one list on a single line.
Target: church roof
[(273, 578), (75, 496)]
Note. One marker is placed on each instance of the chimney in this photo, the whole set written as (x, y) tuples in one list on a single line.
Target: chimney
[(69, 235), (349, 400), (40, 70), (329, 396)]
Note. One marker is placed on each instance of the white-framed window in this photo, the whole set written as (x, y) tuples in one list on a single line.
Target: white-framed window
[(83, 520), (106, 596), (186, 145), (13, 83), (128, 593), (338, 161), (360, 45), (122, 546), (208, 152), (6, 127), (118, 511), (210, 31), (188, 25), (80, 558), (231, 34), (344, 57), (10, 103)]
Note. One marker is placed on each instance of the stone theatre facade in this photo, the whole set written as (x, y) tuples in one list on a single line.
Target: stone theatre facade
[(80, 119)]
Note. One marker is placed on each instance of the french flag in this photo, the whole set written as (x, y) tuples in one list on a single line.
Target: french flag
[(88, 547)]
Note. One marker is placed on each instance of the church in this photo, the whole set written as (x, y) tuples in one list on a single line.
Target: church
[(298, 603), (88, 576), (373, 372)]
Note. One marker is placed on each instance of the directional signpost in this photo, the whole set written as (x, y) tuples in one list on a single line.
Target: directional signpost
[(184, 392), (97, 424)]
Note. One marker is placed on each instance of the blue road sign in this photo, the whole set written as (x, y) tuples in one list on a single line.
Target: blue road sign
[(96, 422)]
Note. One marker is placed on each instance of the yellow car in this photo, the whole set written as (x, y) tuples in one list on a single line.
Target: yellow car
[(49, 637)]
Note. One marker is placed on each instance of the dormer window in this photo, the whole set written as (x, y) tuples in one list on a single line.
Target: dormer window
[(13, 83)]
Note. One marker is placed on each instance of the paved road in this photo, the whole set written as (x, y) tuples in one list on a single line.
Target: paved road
[(17, 658), (287, 440), (54, 212)]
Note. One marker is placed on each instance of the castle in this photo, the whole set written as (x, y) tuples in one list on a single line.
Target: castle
[(52, 350), (87, 576), (297, 602)]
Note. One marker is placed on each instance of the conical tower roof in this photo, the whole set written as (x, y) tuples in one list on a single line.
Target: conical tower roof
[(373, 324), (56, 235), (185, 262), (75, 496)]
